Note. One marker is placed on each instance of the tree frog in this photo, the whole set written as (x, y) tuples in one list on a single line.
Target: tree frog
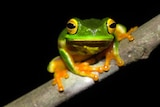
[(85, 42)]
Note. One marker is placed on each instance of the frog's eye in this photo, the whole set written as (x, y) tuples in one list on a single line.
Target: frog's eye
[(72, 26), (111, 25)]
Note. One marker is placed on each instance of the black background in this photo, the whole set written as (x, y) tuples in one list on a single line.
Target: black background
[(29, 42)]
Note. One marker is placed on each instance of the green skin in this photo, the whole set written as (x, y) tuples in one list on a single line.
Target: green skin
[(92, 37)]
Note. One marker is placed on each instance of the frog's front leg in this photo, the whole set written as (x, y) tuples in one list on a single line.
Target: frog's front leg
[(59, 70), (113, 53), (121, 32), (82, 69), (85, 69), (113, 50)]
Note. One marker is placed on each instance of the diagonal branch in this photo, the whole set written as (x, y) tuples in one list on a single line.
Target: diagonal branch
[(147, 38)]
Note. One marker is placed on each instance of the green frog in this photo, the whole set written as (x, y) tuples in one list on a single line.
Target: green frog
[(85, 42)]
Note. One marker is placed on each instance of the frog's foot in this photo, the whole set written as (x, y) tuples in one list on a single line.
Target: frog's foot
[(59, 69), (58, 76), (128, 35), (111, 55), (84, 69)]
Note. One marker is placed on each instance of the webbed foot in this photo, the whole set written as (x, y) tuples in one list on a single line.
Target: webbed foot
[(110, 55), (128, 35), (84, 69)]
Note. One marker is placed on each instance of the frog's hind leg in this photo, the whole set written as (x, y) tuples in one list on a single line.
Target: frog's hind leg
[(59, 70)]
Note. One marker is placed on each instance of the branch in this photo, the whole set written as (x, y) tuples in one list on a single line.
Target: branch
[(147, 38)]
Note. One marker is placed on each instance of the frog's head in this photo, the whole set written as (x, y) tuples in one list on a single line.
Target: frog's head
[(89, 32)]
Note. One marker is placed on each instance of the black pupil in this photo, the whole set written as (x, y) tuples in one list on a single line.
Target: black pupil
[(113, 25), (70, 25)]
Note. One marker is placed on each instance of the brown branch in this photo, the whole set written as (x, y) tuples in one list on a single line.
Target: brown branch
[(147, 38)]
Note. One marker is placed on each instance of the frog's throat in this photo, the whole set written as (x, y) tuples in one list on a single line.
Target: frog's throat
[(89, 43), (87, 47)]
